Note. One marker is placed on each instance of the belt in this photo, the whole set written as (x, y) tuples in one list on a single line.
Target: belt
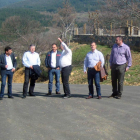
[(66, 66), (9, 70), (118, 64), (91, 68)]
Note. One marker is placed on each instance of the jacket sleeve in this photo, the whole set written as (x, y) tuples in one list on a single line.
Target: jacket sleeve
[(14, 61), (46, 61), (1, 64)]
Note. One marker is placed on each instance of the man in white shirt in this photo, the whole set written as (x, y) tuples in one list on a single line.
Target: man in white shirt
[(91, 59), (7, 65), (29, 59), (66, 68), (52, 63)]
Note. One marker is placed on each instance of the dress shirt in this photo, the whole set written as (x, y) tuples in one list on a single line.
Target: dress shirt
[(120, 55), (9, 62), (30, 59), (53, 59), (66, 56), (92, 58)]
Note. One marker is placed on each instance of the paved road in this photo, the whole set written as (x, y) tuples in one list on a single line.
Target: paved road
[(54, 118)]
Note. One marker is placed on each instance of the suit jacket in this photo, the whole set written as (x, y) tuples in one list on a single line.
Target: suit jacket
[(3, 62), (48, 59)]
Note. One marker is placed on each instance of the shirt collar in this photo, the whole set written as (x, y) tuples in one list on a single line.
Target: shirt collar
[(121, 45), (7, 56), (94, 51), (54, 52), (31, 52)]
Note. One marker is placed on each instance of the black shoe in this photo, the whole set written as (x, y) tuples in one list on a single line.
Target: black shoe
[(23, 97), (58, 93), (32, 95), (63, 95), (67, 96), (112, 96), (11, 97), (49, 94), (1, 98), (118, 97)]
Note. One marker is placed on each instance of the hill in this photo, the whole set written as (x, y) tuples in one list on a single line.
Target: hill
[(4, 3), (53, 5)]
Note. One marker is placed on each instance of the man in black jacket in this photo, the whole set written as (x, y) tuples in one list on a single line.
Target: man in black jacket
[(52, 63), (7, 65)]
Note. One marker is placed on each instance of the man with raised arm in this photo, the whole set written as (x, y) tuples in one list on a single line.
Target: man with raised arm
[(66, 68)]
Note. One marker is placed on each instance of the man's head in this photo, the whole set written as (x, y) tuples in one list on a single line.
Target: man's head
[(32, 48), (54, 47), (8, 50), (119, 40), (93, 46)]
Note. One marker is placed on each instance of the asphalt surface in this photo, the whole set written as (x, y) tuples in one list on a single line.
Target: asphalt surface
[(76, 118)]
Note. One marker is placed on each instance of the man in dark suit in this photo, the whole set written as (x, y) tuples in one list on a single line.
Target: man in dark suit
[(7, 65)]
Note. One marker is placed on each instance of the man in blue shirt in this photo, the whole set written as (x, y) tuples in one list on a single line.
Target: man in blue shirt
[(52, 63), (91, 59)]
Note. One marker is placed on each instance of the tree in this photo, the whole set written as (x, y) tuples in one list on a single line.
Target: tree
[(65, 19), (15, 27)]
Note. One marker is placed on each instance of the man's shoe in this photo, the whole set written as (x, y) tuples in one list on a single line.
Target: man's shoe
[(23, 97), (89, 97), (58, 93), (1, 98), (118, 97), (67, 96), (112, 96), (49, 94), (11, 97), (63, 95), (99, 97), (32, 95)]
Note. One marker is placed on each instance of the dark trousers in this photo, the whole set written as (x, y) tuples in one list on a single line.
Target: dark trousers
[(65, 73), (117, 74), (26, 82), (93, 74), (51, 73), (9, 74)]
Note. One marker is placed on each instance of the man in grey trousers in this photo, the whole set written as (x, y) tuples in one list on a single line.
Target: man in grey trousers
[(120, 62)]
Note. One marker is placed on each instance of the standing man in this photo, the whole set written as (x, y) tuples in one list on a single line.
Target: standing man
[(66, 68), (120, 62), (30, 58), (91, 59), (52, 63), (8, 65)]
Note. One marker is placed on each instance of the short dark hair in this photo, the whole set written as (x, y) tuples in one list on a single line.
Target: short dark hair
[(93, 42), (54, 44), (7, 48), (120, 37), (32, 45)]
